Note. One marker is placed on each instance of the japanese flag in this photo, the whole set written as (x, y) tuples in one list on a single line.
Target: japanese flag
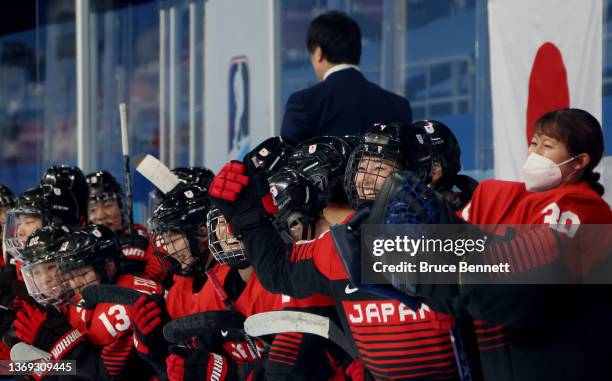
[(545, 55)]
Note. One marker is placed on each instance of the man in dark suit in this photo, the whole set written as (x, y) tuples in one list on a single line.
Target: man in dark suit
[(344, 102)]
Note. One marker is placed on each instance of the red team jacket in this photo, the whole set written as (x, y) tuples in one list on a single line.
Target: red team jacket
[(504, 354)]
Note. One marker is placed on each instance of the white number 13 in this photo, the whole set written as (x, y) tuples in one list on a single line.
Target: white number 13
[(120, 314), (565, 222)]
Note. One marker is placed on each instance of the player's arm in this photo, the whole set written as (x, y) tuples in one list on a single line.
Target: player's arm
[(50, 331), (247, 203), (286, 271)]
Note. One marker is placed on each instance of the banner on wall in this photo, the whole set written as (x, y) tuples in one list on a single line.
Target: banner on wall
[(238, 80), (545, 55)]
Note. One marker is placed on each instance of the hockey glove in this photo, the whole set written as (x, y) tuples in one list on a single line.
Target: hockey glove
[(149, 318), (184, 364), (134, 246), (245, 202), (49, 331)]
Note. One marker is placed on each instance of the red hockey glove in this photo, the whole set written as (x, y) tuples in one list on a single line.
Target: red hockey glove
[(229, 182), (48, 330), (27, 322), (252, 206), (149, 318)]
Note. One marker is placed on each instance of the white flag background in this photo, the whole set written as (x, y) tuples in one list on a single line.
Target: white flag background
[(545, 54)]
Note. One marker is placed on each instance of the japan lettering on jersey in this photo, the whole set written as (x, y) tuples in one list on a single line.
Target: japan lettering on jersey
[(394, 341)]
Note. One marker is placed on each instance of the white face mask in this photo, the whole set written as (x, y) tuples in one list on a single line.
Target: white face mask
[(541, 173)]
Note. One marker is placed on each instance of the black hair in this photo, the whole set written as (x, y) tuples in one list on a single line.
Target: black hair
[(338, 36), (580, 132)]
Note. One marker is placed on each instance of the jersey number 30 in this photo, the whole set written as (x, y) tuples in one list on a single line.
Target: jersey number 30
[(565, 222), (122, 320)]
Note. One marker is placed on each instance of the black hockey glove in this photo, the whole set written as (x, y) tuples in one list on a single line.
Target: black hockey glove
[(184, 364)]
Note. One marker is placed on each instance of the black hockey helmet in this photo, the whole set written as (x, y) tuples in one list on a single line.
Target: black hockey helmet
[(39, 268), (94, 246), (182, 215), (386, 147), (103, 188), (50, 204), (71, 178), (444, 148), (268, 155), (323, 160), (7, 198), (200, 176), (299, 201)]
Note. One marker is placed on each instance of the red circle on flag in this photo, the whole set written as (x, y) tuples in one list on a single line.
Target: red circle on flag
[(548, 87)]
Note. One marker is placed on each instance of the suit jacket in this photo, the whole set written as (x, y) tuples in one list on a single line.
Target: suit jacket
[(344, 103)]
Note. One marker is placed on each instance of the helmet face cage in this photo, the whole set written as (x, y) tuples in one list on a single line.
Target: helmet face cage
[(77, 279), (174, 251), (44, 284), (107, 209), (178, 250), (19, 225), (226, 248), (366, 172)]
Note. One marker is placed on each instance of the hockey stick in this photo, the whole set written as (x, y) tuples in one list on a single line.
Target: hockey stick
[(182, 329), (157, 173), (270, 323), (108, 293), (26, 352), (127, 172), (230, 307)]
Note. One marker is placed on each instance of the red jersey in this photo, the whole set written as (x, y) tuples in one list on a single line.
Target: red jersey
[(109, 326), (181, 299), (565, 208)]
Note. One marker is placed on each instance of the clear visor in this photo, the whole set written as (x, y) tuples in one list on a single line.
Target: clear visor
[(105, 210), (20, 223), (226, 249), (44, 283)]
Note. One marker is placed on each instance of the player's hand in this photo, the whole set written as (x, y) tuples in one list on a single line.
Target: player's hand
[(245, 202), (134, 246), (47, 330), (149, 318), (27, 322), (184, 364)]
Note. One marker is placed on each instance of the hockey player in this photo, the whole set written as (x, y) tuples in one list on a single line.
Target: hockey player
[(178, 228), (91, 256), (421, 346), (107, 207), (445, 162), (35, 208), (72, 179), (44, 325)]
